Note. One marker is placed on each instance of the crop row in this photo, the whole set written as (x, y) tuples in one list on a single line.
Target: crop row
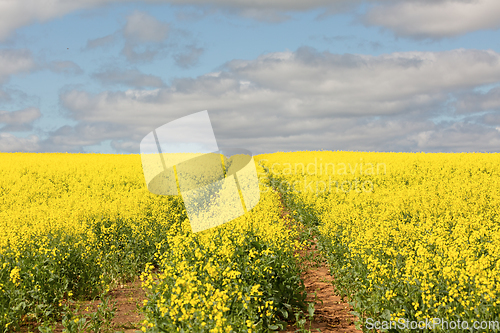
[(72, 226), (420, 242)]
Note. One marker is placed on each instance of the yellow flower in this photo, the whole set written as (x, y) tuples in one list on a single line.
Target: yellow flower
[(15, 276)]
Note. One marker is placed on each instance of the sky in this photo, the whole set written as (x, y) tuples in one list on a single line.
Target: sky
[(96, 76)]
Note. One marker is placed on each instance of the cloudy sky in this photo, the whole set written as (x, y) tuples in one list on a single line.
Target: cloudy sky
[(276, 75)]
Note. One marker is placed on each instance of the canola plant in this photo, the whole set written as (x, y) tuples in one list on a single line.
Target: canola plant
[(407, 236), (75, 225)]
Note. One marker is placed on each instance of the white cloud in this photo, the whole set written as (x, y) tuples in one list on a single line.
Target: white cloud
[(65, 67), (142, 27), (12, 143), (147, 39), (19, 117), (309, 100), (264, 14), (144, 37), (100, 42), (459, 137), (478, 102), (14, 61), (87, 134), (18, 13), (132, 78), (415, 18), (12, 98), (492, 118), (20, 120), (189, 57), (438, 19), (15, 14)]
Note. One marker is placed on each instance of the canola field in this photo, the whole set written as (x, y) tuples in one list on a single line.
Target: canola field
[(406, 236), (75, 225)]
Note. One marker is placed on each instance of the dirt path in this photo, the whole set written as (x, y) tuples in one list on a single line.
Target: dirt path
[(331, 314), (127, 317)]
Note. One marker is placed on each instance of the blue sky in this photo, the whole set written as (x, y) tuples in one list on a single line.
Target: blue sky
[(388, 75)]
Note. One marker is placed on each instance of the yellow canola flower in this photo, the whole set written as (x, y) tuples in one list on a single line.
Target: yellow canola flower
[(418, 224)]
